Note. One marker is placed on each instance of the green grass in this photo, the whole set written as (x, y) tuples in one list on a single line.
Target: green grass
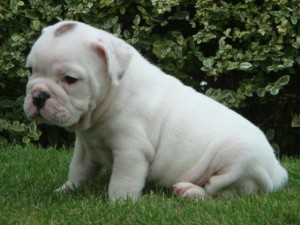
[(29, 175)]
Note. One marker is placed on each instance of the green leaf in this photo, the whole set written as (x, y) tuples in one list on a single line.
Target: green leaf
[(142, 10), (117, 29), (122, 10), (232, 65), (274, 90), (294, 20), (20, 3), (30, 14), (276, 148), (170, 67), (114, 20), (284, 80), (16, 126), (137, 20), (268, 87), (178, 51), (164, 23), (296, 121), (226, 93), (261, 92), (32, 128), (208, 63), (126, 34), (227, 32), (36, 24), (270, 134), (26, 140), (4, 124), (180, 40), (245, 66), (7, 103)]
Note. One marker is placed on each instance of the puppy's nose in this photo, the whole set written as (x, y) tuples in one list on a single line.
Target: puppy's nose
[(40, 98)]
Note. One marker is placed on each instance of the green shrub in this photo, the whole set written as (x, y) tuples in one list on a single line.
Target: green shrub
[(244, 54)]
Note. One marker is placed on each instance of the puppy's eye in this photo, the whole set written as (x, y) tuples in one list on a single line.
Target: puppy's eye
[(29, 70), (70, 79)]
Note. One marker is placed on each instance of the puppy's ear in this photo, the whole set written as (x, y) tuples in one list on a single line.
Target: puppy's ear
[(116, 54)]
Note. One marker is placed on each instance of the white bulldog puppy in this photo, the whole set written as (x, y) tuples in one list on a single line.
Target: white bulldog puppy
[(145, 125)]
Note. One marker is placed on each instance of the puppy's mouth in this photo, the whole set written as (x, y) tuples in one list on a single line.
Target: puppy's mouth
[(37, 116), (44, 108)]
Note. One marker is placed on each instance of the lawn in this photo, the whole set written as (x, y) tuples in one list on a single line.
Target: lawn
[(29, 175)]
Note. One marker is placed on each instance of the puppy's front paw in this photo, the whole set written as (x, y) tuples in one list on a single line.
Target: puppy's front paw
[(65, 187), (190, 190), (122, 195)]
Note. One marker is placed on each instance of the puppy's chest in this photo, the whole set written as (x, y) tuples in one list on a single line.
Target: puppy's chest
[(99, 151)]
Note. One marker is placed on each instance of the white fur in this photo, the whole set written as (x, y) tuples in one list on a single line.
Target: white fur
[(147, 126)]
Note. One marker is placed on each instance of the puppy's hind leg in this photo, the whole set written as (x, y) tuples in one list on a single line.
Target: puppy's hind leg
[(217, 184), (223, 182), (186, 189)]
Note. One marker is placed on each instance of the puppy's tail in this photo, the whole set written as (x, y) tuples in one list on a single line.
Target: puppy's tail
[(279, 176)]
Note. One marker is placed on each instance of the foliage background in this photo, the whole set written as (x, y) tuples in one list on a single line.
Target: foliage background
[(244, 54)]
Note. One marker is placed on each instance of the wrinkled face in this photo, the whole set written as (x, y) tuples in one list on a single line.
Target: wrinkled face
[(67, 78), (72, 67)]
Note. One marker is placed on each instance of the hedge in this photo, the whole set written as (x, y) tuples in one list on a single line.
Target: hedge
[(245, 54)]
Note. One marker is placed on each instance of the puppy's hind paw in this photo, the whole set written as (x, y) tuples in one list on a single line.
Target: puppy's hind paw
[(186, 189)]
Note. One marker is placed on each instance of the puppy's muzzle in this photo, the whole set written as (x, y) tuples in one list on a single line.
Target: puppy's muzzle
[(39, 98)]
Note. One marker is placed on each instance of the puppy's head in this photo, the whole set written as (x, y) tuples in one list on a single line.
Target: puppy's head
[(72, 67)]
